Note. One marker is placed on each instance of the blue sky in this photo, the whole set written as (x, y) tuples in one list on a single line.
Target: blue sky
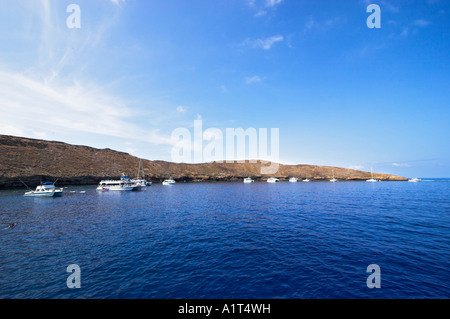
[(340, 93)]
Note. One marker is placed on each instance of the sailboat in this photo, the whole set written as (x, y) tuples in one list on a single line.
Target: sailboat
[(333, 180), (372, 179), (141, 181)]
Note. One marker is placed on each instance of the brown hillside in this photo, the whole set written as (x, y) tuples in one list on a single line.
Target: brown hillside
[(32, 160)]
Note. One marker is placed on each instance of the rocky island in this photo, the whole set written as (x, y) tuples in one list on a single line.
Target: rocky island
[(33, 160)]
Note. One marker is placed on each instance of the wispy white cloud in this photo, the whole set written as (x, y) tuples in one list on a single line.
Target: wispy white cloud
[(265, 43), (273, 3), (181, 109), (53, 96), (263, 8), (413, 27), (260, 13), (323, 25), (400, 165), (252, 79), (118, 2), (37, 108), (420, 23)]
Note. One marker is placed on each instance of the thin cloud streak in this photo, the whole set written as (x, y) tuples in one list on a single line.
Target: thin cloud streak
[(265, 43)]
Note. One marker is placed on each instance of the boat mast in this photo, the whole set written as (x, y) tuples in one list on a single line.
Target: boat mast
[(141, 167)]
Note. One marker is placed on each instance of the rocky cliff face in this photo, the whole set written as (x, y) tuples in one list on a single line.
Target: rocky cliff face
[(32, 160)]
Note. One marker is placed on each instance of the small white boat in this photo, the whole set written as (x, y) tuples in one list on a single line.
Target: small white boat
[(169, 182), (372, 179), (306, 180), (141, 182), (273, 180), (45, 189), (124, 184), (333, 180), (414, 180), (248, 180), (293, 180)]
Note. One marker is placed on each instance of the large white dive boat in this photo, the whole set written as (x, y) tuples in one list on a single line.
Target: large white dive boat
[(45, 189), (124, 184), (273, 180), (248, 180), (169, 182), (414, 180), (372, 179), (293, 180)]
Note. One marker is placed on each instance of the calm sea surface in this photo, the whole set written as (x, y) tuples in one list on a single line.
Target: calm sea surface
[(230, 240)]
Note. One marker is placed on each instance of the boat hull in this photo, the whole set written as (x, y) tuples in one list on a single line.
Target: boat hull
[(44, 194), (119, 189)]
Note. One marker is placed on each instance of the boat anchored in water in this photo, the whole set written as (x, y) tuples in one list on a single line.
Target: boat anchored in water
[(372, 179), (414, 180), (124, 184), (293, 180), (273, 180), (141, 181), (45, 189), (248, 180), (306, 180), (333, 180), (169, 182)]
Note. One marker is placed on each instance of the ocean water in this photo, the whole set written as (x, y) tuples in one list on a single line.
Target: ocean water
[(230, 240)]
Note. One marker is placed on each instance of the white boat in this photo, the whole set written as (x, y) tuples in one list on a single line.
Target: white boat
[(124, 184), (141, 181), (273, 180), (333, 180), (169, 182), (248, 180), (372, 179), (293, 180), (45, 189), (414, 180), (306, 180)]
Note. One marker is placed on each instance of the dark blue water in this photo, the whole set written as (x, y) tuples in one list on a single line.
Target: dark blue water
[(230, 240)]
